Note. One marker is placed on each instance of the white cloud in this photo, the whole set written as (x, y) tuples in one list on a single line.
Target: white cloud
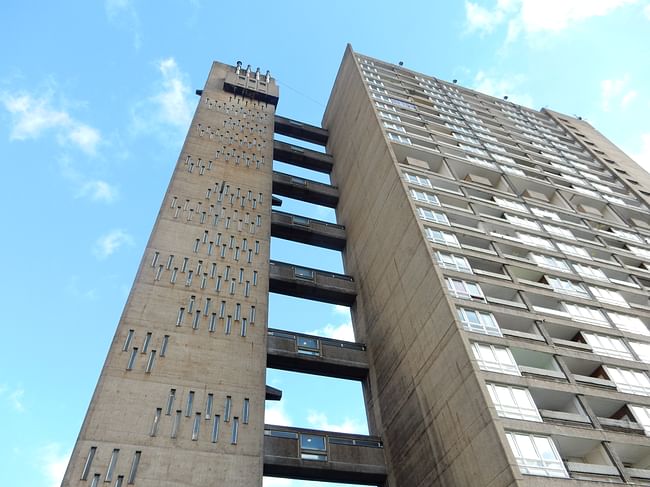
[(169, 107), (534, 16), (343, 331), (615, 93), (275, 413), (340, 309), (53, 462), (500, 87), (173, 99), (98, 190), (94, 189), (109, 243), (14, 396), (646, 11), (123, 14), (32, 116), (643, 156), (319, 420)]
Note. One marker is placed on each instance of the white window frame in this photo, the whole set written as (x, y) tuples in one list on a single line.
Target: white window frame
[(629, 380), (425, 197), (417, 179), (462, 289), (512, 205), (535, 241), (453, 262), (536, 455), (642, 415), (608, 296), (479, 321), (574, 250), (642, 349), (442, 238), (513, 402), (559, 231), (608, 345), (550, 262), (585, 314), (542, 213), (522, 222), (561, 285), (433, 216), (629, 323), (590, 272), (494, 358)]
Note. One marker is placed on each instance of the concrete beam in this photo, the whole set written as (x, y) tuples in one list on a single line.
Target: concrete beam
[(307, 230), (308, 283), (302, 157), (305, 190), (299, 352), (305, 454), (300, 131)]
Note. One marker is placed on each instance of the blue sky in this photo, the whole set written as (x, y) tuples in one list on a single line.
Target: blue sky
[(95, 100)]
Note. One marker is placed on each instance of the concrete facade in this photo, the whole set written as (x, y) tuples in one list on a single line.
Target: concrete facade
[(497, 267)]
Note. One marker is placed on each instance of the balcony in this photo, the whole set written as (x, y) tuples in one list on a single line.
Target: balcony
[(300, 130), (586, 459), (302, 157), (304, 282), (305, 190), (559, 407), (298, 352), (307, 230), (305, 454)]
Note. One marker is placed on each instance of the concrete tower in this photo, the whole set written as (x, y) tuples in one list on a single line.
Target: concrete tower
[(497, 265)]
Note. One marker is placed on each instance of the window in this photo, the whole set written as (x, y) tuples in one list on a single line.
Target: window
[(522, 222), (443, 238), (425, 197), (546, 214), (550, 262), (493, 358), (394, 126), (630, 381), (586, 314), (566, 286), (512, 205), (642, 350), (559, 231), (416, 179), (639, 252), (589, 271), (536, 455), (479, 321), (513, 402), (608, 296), (607, 345), (465, 290), (433, 216), (574, 250), (454, 262), (313, 447), (642, 415), (535, 240), (509, 169), (399, 138), (626, 235), (628, 323)]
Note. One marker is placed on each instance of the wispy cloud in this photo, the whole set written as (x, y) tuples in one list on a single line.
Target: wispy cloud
[(534, 16), (500, 86), (13, 396), (53, 462), (615, 93), (319, 420), (34, 115), (108, 244), (123, 14), (343, 331), (170, 107), (275, 413), (94, 189)]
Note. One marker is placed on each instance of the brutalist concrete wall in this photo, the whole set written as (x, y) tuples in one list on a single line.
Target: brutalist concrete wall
[(423, 396), (180, 400)]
